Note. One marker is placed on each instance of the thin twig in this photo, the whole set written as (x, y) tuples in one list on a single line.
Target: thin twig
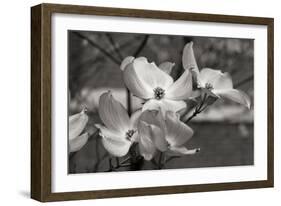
[(125, 44), (110, 51), (125, 165), (129, 102), (113, 168), (94, 44), (192, 116), (97, 154), (114, 45), (143, 43), (244, 81), (110, 165), (125, 160), (160, 161), (198, 109)]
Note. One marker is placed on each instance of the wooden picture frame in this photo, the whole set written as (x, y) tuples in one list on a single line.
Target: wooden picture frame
[(41, 97)]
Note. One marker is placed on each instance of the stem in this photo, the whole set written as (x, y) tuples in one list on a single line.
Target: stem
[(97, 154), (133, 156), (160, 161), (198, 109), (110, 165), (129, 102), (192, 116), (118, 165), (125, 165), (125, 160)]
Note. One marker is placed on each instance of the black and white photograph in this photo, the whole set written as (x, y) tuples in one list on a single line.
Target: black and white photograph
[(134, 102), (154, 102)]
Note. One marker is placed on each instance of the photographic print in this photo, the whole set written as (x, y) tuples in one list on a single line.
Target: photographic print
[(154, 102), (129, 102)]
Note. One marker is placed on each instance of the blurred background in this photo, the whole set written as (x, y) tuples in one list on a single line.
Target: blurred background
[(224, 131)]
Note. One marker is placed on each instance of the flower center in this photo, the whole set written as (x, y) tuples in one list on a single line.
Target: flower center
[(168, 145), (129, 134), (159, 93), (209, 86)]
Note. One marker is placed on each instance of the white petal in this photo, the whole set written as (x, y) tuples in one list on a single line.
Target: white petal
[(158, 136), (116, 148), (113, 114), (209, 93), (114, 142), (77, 123), (135, 118), (151, 75), (164, 105), (177, 132), (171, 105), (106, 132), (182, 88), (195, 79), (167, 67), (235, 95), (150, 117), (78, 142), (209, 76), (195, 93), (188, 59), (157, 128), (175, 151), (224, 81), (152, 104), (138, 88), (146, 145), (216, 78), (126, 62)]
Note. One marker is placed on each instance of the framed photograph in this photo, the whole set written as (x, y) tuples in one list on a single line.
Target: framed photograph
[(132, 102)]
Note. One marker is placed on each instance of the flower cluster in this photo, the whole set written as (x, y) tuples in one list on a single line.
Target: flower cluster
[(158, 126), (150, 129)]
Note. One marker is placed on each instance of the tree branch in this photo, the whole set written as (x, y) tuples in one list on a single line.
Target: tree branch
[(141, 46), (115, 46), (198, 109), (94, 44), (238, 84)]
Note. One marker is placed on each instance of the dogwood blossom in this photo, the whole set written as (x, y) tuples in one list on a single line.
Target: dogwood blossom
[(147, 81), (165, 133), (120, 131), (213, 82)]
